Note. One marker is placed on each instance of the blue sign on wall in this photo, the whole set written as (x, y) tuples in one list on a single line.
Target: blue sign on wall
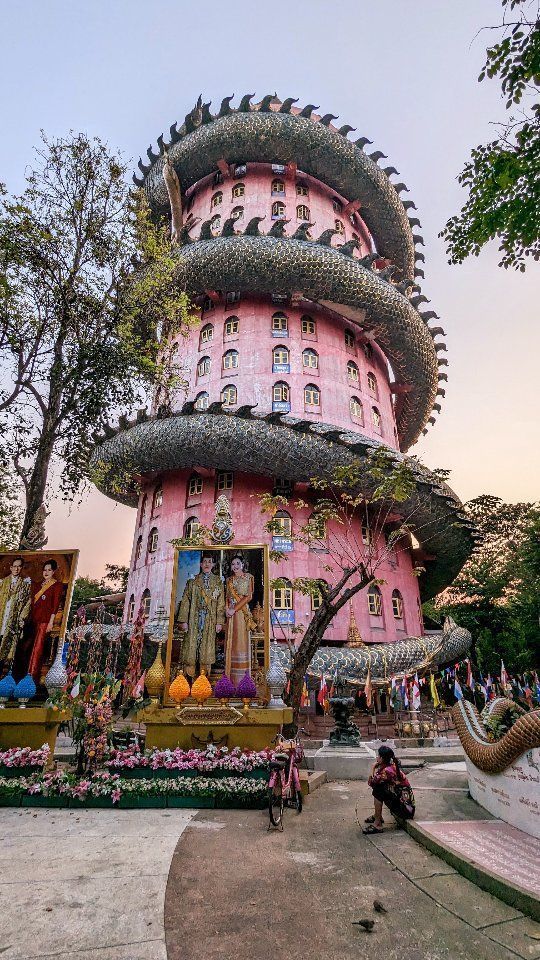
[(284, 544), (281, 368), (280, 333), (282, 616), (281, 406)]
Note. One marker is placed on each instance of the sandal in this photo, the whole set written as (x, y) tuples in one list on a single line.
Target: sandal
[(371, 819), (372, 829)]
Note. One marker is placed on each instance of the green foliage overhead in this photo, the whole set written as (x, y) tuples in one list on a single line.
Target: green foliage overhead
[(88, 307), (502, 177)]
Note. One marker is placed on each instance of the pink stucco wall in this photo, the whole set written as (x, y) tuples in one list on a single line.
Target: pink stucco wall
[(153, 570), (254, 378)]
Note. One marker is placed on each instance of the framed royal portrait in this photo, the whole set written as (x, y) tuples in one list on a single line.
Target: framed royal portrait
[(35, 594), (220, 614)]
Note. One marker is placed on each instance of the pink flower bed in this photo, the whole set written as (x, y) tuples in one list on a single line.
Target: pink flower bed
[(25, 756), (202, 761)]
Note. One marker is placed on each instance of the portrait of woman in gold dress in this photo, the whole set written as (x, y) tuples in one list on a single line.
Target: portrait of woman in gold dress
[(239, 593)]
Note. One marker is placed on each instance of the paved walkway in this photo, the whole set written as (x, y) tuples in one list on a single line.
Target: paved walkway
[(85, 884), (92, 885)]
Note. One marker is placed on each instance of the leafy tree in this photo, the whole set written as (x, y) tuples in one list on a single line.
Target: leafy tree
[(10, 510), (502, 176), (497, 594), (374, 498), (116, 575), (81, 330)]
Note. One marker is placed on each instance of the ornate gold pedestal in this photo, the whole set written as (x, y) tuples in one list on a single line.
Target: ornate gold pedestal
[(31, 727), (189, 725)]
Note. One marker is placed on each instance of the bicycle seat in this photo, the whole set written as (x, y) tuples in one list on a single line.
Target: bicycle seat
[(278, 762)]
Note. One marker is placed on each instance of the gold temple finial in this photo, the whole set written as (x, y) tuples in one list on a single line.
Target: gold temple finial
[(353, 634)]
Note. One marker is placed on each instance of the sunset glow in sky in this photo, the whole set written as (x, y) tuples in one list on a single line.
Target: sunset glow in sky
[(405, 75)]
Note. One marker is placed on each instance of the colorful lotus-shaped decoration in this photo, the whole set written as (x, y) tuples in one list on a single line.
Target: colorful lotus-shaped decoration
[(7, 686), (201, 689), (224, 689), (25, 690), (179, 688), (246, 689)]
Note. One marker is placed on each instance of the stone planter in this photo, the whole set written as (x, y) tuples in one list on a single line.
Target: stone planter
[(91, 802), (187, 802), (39, 800), (18, 771), (139, 801)]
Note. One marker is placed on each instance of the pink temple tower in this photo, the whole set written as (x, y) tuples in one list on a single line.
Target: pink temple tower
[(301, 257)]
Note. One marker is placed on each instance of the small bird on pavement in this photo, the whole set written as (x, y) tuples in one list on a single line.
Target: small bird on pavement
[(366, 924), (378, 907)]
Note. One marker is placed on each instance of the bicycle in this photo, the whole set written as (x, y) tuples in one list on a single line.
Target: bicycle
[(284, 781)]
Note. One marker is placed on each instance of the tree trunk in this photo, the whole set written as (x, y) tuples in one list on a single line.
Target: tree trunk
[(37, 477)]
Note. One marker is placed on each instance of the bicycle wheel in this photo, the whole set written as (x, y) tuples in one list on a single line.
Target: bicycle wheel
[(298, 800), (275, 806)]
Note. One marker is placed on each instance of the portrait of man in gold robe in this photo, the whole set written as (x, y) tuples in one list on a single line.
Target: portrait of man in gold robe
[(15, 597), (200, 615)]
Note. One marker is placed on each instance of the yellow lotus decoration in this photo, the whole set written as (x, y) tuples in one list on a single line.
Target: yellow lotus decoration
[(201, 689), (179, 688)]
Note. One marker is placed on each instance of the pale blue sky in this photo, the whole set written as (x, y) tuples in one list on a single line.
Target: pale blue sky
[(403, 73)]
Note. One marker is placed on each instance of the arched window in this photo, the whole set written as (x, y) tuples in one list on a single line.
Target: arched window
[(203, 367), (280, 392), (312, 395), (375, 601), (280, 359), (302, 190), (153, 538), (138, 551), (356, 409), (145, 604), (302, 212), (202, 401), (352, 372), (367, 538), (232, 296), (143, 507), (376, 417), (338, 227), (232, 326), (349, 340), (278, 187), (229, 395), (230, 360), (282, 524), (282, 595), (224, 480), (215, 225), (368, 350), (372, 384), (195, 486), (238, 191), (310, 358), (157, 502), (131, 609), (280, 322), (397, 605), (278, 210), (207, 334), (217, 178), (191, 528), (316, 530), (309, 327), (237, 213), (208, 304), (216, 200), (337, 206), (316, 597)]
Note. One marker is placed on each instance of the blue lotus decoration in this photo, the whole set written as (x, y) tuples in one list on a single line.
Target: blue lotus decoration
[(25, 689), (7, 686)]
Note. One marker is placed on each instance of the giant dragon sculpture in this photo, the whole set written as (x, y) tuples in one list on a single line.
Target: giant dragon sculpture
[(485, 753)]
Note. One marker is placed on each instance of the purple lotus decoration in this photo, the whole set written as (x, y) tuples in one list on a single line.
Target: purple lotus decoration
[(224, 688), (246, 689)]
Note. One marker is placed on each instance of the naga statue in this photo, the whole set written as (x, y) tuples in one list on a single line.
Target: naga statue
[(474, 732)]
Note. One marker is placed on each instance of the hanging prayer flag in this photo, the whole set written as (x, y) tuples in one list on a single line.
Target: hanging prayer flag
[(458, 693), (504, 675), (323, 691), (433, 691), (393, 693), (470, 678), (304, 699), (405, 693), (76, 687), (416, 693), (367, 689)]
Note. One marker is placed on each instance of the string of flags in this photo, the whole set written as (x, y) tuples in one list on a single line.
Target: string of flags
[(405, 692)]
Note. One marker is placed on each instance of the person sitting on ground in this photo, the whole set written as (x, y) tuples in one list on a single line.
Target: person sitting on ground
[(390, 786)]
